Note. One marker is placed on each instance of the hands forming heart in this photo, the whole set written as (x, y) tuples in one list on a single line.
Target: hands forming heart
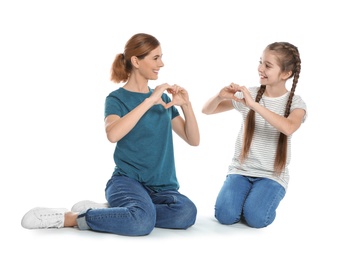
[(179, 95), (230, 91)]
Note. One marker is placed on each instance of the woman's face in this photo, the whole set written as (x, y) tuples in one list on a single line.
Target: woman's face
[(149, 66)]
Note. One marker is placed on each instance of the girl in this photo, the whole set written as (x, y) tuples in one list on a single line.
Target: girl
[(143, 190), (258, 175)]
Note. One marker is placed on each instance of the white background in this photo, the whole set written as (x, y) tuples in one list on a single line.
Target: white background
[(55, 59)]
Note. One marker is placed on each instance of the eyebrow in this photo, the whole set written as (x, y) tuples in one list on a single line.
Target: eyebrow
[(267, 62), (157, 56)]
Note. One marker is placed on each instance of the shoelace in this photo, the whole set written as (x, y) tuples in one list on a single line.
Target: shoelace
[(50, 220)]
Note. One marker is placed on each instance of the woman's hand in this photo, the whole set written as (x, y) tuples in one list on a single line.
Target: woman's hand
[(179, 96), (157, 93)]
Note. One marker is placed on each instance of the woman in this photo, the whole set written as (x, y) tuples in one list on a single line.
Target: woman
[(258, 175), (143, 190)]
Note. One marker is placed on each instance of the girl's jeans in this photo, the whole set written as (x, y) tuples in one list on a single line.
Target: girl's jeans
[(134, 210), (253, 199)]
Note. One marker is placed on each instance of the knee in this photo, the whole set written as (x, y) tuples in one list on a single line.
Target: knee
[(141, 229), (187, 217), (226, 216), (192, 215), (258, 219), (140, 222), (143, 223)]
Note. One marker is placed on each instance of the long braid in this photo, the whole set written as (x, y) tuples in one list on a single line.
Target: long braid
[(293, 64), (249, 126), (290, 61)]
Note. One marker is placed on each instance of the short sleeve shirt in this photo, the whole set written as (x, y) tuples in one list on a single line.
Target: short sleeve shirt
[(146, 153), (261, 157)]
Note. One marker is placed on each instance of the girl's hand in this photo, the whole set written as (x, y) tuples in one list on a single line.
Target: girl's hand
[(229, 91), (247, 99)]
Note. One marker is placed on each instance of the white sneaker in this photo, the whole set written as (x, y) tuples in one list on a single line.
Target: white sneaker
[(84, 205), (44, 218)]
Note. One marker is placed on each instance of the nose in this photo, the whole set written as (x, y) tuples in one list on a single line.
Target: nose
[(260, 67)]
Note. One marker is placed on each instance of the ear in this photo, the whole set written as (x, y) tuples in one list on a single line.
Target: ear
[(135, 61), (286, 75)]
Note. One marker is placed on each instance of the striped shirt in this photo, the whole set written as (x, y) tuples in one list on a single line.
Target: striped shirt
[(261, 156)]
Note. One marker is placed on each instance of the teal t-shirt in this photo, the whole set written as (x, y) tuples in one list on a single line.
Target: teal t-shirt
[(146, 153)]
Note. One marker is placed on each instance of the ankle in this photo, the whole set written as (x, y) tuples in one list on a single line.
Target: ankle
[(70, 219)]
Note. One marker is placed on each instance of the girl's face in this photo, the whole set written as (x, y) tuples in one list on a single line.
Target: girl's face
[(149, 66), (269, 70)]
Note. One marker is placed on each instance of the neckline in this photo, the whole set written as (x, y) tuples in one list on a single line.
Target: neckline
[(135, 92)]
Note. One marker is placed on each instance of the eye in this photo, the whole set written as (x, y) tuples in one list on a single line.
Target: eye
[(267, 65)]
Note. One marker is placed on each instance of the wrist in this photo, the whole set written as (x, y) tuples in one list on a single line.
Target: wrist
[(187, 104), (148, 102)]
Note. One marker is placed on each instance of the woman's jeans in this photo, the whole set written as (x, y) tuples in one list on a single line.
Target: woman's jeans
[(253, 199), (134, 210)]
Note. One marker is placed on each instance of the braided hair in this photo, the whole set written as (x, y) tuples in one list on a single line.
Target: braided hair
[(288, 60)]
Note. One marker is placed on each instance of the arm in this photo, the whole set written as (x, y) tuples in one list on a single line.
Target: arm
[(117, 127), (285, 125), (186, 128), (222, 101)]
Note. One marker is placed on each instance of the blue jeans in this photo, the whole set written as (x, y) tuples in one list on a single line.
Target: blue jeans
[(135, 209), (254, 200)]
